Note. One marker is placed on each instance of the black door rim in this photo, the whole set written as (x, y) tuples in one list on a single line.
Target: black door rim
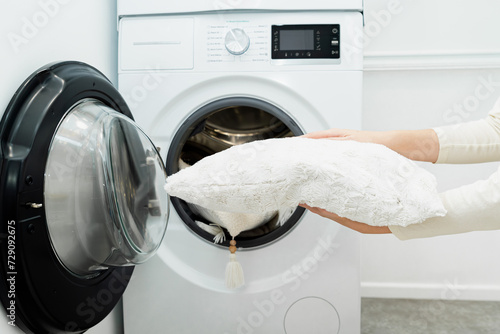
[(45, 297)]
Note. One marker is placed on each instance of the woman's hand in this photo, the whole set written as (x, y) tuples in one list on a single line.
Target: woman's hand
[(353, 225), (345, 134)]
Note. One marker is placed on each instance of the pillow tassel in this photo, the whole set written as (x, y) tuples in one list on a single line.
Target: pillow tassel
[(234, 271)]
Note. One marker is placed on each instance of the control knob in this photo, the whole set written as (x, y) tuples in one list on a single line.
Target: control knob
[(237, 41)]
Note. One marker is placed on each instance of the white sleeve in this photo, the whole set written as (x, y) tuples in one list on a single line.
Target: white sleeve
[(471, 142), (472, 207)]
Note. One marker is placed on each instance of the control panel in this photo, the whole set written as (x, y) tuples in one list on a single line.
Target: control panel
[(247, 42), (306, 41), (242, 41)]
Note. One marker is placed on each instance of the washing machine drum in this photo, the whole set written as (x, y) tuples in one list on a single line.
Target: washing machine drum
[(213, 128), (82, 200)]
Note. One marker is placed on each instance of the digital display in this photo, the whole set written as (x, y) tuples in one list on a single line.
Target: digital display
[(296, 40)]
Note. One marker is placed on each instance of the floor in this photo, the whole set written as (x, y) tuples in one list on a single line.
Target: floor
[(409, 316)]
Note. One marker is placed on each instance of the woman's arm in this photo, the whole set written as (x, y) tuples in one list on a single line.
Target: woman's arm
[(472, 207), (470, 142), (419, 145)]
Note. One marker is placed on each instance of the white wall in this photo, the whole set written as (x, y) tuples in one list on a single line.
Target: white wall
[(36, 32), (430, 63)]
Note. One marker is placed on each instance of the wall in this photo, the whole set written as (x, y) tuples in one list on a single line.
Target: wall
[(36, 32), (431, 63)]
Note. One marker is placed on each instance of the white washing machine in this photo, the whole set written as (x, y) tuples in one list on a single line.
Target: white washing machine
[(202, 76)]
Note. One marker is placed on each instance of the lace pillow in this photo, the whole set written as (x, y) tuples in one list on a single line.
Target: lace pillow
[(364, 182)]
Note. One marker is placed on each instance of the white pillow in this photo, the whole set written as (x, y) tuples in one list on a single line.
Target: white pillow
[(233, 222), (364, 182)]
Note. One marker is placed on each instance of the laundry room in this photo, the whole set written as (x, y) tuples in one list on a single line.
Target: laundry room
[(102, 100)]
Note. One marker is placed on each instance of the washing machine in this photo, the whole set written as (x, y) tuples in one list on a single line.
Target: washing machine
[(202, 76), (82, 200)]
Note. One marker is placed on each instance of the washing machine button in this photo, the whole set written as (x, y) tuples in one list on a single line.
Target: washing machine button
[(237, 41)]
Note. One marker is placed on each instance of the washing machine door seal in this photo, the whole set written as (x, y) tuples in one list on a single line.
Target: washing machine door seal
[(39, 290)]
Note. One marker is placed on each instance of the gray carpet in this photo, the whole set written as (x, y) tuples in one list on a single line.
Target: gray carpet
[(409, 316)]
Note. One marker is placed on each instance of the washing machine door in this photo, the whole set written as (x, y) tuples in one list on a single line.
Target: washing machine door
[(82, 200)]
